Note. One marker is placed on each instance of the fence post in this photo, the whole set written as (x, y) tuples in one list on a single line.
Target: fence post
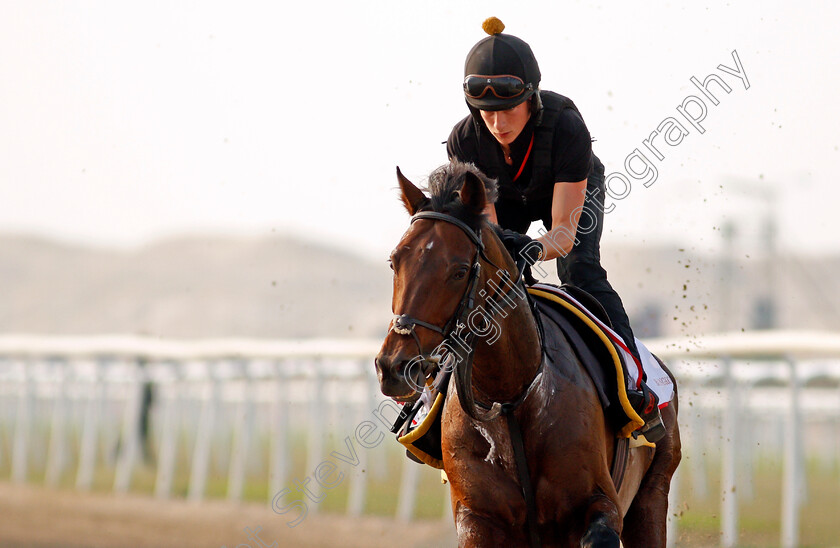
[(315, 451), (745, 446), (447, 515), (241, 438), (408, 489), (672, 528), (87, 452), (729, 473), (359, 476), (792, 475), (168, 438), (693, 421), (57, 457), (204, 438), (20, 451), (379, 463), (835, 455), (130, 438), (280, 434), (5, 410)]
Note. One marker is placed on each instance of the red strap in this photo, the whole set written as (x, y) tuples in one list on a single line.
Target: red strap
[(525, 161)]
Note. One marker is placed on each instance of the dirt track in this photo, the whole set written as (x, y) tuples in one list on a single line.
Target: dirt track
[(39, 518)]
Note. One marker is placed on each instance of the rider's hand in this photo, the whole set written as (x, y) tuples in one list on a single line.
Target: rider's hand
[(520, 246)]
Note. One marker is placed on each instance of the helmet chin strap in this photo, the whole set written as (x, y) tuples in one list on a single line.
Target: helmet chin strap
[(536, 107)]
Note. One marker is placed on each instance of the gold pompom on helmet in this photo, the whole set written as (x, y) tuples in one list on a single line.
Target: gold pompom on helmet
[(500, 71), (493, 25)]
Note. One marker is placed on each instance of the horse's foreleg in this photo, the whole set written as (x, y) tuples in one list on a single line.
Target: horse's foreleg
[(476, 531), (603, 524)]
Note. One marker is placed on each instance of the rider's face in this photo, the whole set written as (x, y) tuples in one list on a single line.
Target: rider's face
[(506, 125)]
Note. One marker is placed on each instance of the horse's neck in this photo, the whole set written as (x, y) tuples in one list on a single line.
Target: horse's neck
[(505, 366)]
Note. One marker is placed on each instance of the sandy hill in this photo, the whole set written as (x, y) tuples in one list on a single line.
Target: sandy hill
[(282, 287), (192, 287)]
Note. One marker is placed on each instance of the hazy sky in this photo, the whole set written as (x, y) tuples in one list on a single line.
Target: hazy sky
[(129, 121)]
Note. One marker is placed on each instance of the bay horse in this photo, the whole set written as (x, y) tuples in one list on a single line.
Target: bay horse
[(566, 443)]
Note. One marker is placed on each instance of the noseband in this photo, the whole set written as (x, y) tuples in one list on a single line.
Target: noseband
[(404, 324)]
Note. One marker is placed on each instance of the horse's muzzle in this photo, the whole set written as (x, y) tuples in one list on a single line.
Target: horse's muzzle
[(399, 378)]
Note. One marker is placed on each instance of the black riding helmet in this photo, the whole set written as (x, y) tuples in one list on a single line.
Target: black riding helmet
[(499, 55)]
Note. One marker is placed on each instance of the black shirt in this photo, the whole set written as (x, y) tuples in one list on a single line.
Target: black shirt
[(571, 161)]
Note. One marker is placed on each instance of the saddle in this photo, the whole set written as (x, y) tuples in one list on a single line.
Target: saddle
[(562, 313), (599, 349)]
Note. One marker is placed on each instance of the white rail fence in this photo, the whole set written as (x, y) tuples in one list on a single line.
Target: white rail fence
[(89, 412), (747, 395)]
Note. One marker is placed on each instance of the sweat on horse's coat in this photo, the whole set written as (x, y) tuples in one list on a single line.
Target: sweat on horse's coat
[(491, 452)]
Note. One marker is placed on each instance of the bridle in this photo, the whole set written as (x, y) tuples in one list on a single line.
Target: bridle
[(404, 324)]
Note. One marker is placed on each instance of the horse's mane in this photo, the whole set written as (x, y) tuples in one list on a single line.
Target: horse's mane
[(444, 185)]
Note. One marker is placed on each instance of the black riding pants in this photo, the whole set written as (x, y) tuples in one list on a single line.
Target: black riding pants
[(582, 266)]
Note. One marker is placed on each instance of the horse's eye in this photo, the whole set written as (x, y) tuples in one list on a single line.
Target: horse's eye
[(390, 264), (460, 274)]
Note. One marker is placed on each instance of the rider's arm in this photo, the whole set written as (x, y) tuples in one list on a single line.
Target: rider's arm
[(566, 207), (572, 149)]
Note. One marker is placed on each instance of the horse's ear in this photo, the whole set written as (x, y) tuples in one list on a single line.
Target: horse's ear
[(412, 197), (473, 194)]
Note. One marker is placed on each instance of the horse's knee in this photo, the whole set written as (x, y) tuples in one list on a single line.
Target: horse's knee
[(476, 531), (600, 535)]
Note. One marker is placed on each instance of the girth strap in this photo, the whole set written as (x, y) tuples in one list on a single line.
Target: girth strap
[(524, 476), (619, 465)]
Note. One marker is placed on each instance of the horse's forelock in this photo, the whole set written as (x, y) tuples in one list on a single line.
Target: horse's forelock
[(444, 184)]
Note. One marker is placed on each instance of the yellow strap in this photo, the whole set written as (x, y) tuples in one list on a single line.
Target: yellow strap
[(636, 421), (409, 439)]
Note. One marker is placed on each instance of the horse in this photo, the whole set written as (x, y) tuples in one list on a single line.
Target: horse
[(552, 425)]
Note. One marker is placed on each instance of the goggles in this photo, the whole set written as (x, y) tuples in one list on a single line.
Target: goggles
[(503, 87)]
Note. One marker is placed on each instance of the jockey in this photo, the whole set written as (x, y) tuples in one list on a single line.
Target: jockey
[(536, 144)]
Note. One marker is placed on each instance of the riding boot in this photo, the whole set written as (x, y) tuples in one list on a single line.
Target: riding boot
[(646, 404)]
